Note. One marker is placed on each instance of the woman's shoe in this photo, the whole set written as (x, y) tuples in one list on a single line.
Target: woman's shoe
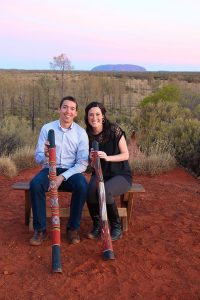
[(115, 232), (94, 213), (96, 230), (115, 223)]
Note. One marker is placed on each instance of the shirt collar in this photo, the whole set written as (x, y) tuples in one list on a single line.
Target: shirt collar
[(71, 126)]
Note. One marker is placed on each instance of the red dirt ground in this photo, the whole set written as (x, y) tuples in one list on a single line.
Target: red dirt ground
[(158, 258)]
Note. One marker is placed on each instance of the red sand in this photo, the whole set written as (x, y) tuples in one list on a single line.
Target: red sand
[(158, 258)]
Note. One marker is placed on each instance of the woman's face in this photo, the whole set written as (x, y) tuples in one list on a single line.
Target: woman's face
[(95, 118)]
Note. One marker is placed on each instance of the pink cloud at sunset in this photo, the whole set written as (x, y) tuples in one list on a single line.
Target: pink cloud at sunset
[(150, 33)]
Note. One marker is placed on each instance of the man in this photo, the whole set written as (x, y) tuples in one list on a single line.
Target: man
[(71, 160)]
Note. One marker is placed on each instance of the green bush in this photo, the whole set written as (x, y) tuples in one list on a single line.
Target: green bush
[(189, 99), (174, 124), (196, 111), (154, 122), (169, 93), (186, 141)]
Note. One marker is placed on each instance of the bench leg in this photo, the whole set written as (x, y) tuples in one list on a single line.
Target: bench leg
[(124, 223), (130, 208), (30, 225), (127, 201), (27, 207)]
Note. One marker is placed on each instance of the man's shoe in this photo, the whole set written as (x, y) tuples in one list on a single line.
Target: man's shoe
[(73, 236), (38, 238)]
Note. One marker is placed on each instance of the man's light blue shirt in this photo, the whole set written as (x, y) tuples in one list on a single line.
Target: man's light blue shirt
[(72, 148)]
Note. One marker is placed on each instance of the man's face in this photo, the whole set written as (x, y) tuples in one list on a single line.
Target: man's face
[(67, 113)]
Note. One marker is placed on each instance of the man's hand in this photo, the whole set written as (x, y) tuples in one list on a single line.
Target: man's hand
[(59, 180), (46, 148)]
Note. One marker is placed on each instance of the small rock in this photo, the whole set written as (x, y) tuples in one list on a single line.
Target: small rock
[(5, 272)]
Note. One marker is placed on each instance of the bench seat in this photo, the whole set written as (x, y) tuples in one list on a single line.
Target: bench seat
[(125, 209)]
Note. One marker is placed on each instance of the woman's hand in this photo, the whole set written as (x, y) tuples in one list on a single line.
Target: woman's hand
[(100, 154), (103, 155)]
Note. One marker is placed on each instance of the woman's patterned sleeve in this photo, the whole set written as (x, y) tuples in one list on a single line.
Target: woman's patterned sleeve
[(118, 132)]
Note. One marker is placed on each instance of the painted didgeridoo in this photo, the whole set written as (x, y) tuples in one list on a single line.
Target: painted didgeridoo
[(105, 232), (56, 255)]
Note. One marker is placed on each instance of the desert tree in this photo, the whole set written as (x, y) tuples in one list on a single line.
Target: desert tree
[(62, 63)]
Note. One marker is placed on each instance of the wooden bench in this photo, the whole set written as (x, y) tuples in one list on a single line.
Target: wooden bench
[(125, 211)]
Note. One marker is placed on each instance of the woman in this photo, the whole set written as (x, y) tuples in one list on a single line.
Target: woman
[(114, 155)]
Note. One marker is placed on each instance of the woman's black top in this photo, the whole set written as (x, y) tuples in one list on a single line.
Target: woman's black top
[(109, 143)]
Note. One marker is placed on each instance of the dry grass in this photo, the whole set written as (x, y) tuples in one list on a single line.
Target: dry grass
[(158, 158), (24, 158), (157, 161), (7, 167), (152, 164)]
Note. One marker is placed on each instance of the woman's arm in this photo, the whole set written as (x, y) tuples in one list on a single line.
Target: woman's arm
[(123, 155)]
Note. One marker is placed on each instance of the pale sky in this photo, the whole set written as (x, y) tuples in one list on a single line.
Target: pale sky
[(155, 34)]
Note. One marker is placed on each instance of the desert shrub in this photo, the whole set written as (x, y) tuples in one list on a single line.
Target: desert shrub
[(9, 142), (7, 167), (189, 99), (169, 93), (176, 125), (154, 122), (186, 140), (15, 133), (24, 158), (196, 111)]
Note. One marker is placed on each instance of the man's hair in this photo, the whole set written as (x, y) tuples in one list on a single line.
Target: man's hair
[(70, 98)]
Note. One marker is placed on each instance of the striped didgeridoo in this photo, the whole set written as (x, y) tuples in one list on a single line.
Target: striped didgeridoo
[(105, 232), (56, 255)]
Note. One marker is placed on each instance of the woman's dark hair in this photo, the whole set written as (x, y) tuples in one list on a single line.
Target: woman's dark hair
[(106, 122), (70, 98)]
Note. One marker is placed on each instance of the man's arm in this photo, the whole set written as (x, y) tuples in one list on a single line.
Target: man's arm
[(81, 157), (40, 157)]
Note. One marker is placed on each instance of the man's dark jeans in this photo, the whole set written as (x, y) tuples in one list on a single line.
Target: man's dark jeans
[(39, 185)]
